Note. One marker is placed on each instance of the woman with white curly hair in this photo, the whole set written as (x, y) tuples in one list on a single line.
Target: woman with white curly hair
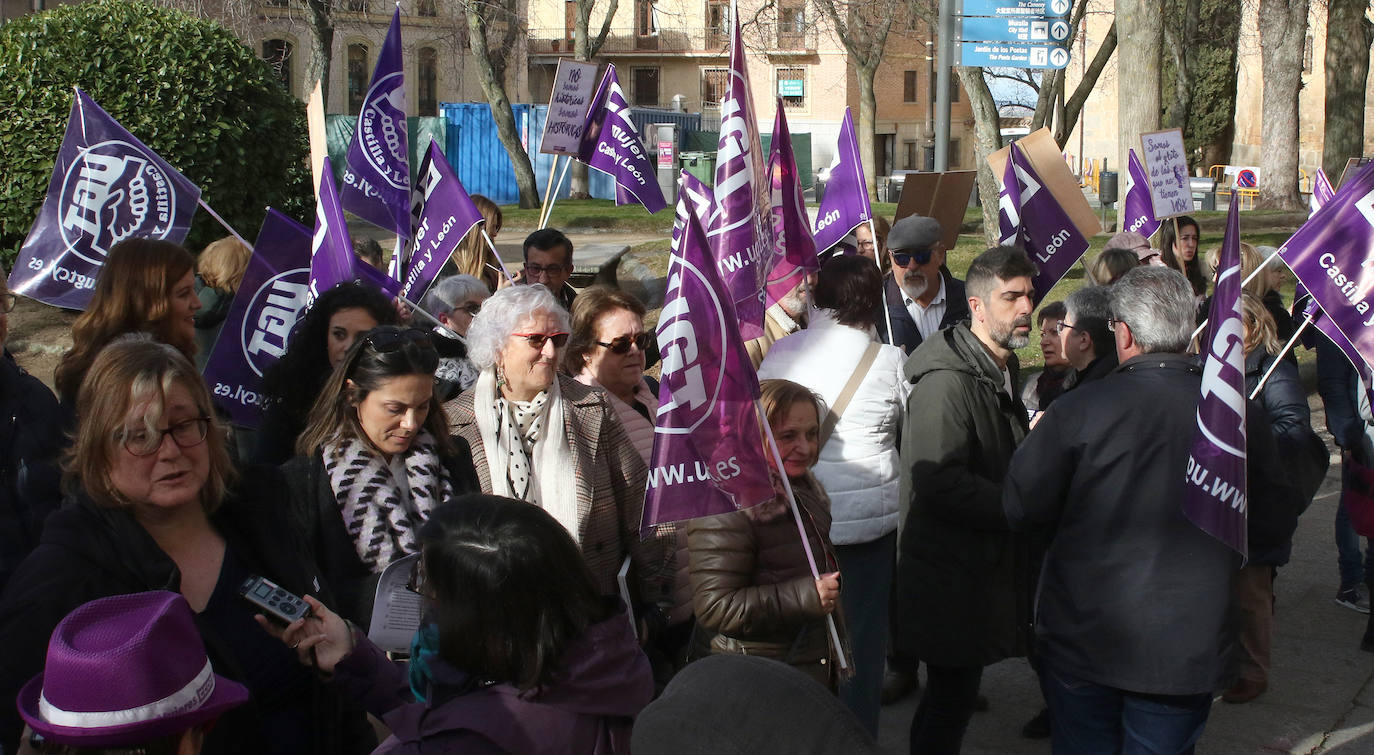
[(546, 439)]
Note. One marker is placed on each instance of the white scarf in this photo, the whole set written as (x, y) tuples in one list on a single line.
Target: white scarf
[(549, 481)]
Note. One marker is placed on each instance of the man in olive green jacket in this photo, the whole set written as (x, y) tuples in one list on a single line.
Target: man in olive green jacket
[(963, 579)]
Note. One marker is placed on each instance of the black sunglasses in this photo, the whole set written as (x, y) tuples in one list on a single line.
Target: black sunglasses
[(537, 340), (389, 338), (622, 344), (922, 256)]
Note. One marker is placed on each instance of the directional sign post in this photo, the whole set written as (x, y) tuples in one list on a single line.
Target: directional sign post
[(1012, 55), (1015, 33)]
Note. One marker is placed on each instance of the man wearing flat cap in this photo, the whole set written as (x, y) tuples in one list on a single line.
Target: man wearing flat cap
[(922, 296)]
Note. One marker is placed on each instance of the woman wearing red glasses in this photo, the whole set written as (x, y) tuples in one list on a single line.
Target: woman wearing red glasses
[(546, 439)]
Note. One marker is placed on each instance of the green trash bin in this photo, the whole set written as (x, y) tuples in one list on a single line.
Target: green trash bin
[(699, 164)]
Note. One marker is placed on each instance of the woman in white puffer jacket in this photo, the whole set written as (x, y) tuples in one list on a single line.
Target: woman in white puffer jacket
[(859, 463)]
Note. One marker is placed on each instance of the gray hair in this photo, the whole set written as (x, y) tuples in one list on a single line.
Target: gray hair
[(1158, 305), (1090, 308), (447, 292), (503, 313)]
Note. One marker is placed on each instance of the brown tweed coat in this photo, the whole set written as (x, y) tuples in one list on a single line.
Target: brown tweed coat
[(610, 479)]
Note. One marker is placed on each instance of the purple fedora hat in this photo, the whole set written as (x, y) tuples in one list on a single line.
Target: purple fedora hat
[(125, 670)]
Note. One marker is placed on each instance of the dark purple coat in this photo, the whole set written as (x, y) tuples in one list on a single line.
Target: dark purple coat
[(589, 707)]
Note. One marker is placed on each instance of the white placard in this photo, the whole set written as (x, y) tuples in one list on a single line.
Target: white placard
[(1166, 168), (396, 610), (573, 87)]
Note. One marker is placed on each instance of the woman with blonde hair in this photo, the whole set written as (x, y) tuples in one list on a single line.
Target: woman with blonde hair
[(219, 270), (145, 285), (1261, 286), (473, 256)]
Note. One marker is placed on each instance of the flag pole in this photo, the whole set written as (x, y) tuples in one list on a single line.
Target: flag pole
[(1286, 348), (873, 234), (415, 308), (801, 528), (492, 246), (548, 190), (222, 222), (544, 221), (1248, 278)]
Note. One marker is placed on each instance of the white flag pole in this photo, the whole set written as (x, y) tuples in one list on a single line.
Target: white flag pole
[(1286, 348), (492, 246), (1248, 278), (222, 222), (544, 221)]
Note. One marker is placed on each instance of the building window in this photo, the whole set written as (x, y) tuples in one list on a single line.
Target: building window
[(355, 6), (644, 87), (427, 88), (953, 88), (717, 24), (955, 155), (792, 87), (909, 155), (428, 8), (357, 77), (569, 21), (277, 53), (713, 82), (646, 25), (909, 86), (791, 28)]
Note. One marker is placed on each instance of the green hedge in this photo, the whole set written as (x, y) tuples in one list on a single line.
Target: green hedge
[(186, 87)]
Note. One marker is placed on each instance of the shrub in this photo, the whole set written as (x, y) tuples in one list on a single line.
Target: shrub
[(186, 87)]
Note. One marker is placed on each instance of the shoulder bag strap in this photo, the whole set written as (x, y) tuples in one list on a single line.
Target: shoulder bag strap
[(842, 401)]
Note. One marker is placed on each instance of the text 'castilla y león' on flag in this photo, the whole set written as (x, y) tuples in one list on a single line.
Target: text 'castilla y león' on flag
[(445, 215), (1214, 498), (376, 176), (1031, 218), (106, 186), (708, 455), (611, 144)]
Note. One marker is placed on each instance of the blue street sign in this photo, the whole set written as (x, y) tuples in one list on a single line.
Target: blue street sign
[(1012, 55), (1029, 29), (1017, 8)]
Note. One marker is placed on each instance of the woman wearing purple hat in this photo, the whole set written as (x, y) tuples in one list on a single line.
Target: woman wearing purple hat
[(123, 672), (154, 504)]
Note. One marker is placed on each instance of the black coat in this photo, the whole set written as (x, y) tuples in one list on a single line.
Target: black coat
[(31, 441), (90, 552), (903, 327), (316, 513), (1133, 595), (1303, 455)]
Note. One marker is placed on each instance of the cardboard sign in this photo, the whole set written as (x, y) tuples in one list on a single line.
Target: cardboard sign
[(1166, 171), (1350, 166), (943, 196), (1045, 156), (573, 87), (319, 146)]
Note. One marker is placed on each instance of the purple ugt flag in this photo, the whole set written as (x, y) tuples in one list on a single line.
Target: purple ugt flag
[(794, 252), (258, 326), (331, 250), (1215, 498), (740, 232), (694, 197), (1330, 257), (845, 203), (1322, 192), (447, 216), (376, 177), (106, 186), (1137, 212), (708, 453), (611, 144), (1037, 224)]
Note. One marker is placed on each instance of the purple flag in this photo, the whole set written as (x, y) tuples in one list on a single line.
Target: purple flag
[(376, 177), (708, 453), (106, 186), (270, 299), (331, 251), (740, 232), (794, 248), (611, 144), (1330, 257), (1322, 192), (447, 216), (1032, 219), (692, 196), (845, 203), (1323, 323), (1138, 212), (1215, 496)]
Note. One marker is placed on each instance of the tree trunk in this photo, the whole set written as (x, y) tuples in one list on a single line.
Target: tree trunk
[(1179, 34), (1283, 32), (1140, 35), (494, 86), (868, 114), (1348, 37), (585, 47), (987, 139), (1073, 107), (321, 47)]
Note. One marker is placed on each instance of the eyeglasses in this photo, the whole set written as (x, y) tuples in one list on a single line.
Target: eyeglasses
[(186, 434), (1059, 326), (389, 338), (416, 582), (7, 302), (1111, 324), (472, 308), (537, 340), (622, 344), (922, 256), (532, 270)]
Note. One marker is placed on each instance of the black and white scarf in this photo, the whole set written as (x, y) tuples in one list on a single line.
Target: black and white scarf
[(383, 515)]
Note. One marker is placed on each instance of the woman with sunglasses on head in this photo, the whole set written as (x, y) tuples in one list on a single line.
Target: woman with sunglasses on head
[(546, 439), (375, 459), (454, 301), (154, 504)]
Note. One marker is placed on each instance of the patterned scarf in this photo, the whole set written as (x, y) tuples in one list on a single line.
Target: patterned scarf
[(381, 518)]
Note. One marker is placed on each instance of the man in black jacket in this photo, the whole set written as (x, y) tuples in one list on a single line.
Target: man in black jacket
[(1084, 338), (1133, 597), (921, 296)]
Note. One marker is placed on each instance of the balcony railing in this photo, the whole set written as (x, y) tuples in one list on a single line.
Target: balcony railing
[(558, 41)]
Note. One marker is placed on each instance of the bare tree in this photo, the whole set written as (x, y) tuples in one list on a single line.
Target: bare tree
[(1051, 107), (494, 28), (1283, 33), (862, 27), (585, 47), (1349, 35), (1140, 34), (1180, 35), (987, 138)]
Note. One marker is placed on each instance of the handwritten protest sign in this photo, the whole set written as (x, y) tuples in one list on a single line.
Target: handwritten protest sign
[(1166, 170), (573, 86)]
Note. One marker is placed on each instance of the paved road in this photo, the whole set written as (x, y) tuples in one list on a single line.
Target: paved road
[(1320, 697)]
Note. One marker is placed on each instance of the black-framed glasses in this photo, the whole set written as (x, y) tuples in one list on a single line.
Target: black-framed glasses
[(472, 308), (389, 338), (1112, 323), (416, 582), (1059, 326), (7, 302), (536, 270), (922, 256), (186, 434), (537, 340), (622, 344)]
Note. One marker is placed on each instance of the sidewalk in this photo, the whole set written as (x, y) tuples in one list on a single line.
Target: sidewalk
[(1320, 697)]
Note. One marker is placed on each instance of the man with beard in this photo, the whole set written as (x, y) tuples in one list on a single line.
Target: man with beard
[(963, 578), (785, 317), (922, 297)]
